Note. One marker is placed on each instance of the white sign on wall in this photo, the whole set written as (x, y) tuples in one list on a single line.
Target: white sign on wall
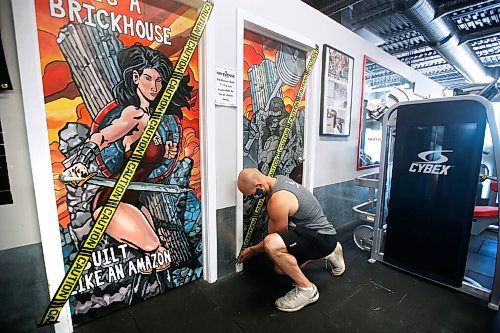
[(225, 88)]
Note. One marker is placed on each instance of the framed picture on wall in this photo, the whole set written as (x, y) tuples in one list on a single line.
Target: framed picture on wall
[(336, 92)]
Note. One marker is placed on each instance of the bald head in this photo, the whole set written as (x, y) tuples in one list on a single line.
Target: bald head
[(248, 180)]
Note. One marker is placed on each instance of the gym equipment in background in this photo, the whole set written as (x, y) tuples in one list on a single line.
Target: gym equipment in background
[(486, 217), (363, 234), (429, 168), (363, 237)]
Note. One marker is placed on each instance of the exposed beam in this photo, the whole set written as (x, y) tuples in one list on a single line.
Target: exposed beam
[(338, 6), (373, 14), (448, 79), (480, 33), (484, 8), (422, 61), (458, 5), (491, 58), (449, 72), (428, 68), (403, 53), (397, 33), (411, 35), (386, 75), (389, 48), (417, 55), (452, 83)]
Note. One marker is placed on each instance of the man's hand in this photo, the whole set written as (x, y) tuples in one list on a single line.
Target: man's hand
[(247, 253)]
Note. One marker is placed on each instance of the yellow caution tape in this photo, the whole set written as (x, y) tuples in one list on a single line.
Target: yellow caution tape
[(74, 273), (281, 146)]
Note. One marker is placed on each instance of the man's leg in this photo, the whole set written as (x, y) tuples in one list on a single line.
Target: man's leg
[(335, 261), (276, 249), (304, 292), (278, 270)]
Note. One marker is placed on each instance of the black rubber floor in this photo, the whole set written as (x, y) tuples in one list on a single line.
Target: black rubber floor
[(367, 298), (481, 258)]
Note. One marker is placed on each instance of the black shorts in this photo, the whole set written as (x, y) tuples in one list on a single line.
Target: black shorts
[(306, 244)]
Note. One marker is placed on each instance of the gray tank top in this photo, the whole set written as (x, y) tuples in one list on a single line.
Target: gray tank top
[(309, 215)]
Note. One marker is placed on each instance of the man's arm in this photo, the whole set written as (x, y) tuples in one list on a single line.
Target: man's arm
[(277, 209)]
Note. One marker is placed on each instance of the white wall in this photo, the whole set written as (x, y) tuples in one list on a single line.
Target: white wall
[(18, 222), (335, 158)]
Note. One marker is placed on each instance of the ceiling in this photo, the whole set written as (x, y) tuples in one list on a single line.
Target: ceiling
[(455, 43)]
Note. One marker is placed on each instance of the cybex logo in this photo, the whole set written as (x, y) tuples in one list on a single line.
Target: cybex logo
[(432, 162)]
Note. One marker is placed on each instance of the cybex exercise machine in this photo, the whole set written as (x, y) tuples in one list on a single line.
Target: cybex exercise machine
[(429, 167)]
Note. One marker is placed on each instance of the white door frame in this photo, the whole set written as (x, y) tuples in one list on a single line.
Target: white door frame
[(38, 143), (255, 23)]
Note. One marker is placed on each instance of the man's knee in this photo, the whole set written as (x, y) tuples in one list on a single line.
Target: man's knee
[(273, 243)]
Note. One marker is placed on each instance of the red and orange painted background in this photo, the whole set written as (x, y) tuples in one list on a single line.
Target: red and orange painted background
[(257, 48)]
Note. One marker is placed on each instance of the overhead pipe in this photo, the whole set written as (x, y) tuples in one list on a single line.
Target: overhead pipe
[(441, 33)]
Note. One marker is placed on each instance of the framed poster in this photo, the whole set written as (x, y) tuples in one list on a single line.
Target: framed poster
[(336, 92), (104, 65)]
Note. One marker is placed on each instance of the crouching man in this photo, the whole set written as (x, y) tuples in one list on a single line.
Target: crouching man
[(298, 232)]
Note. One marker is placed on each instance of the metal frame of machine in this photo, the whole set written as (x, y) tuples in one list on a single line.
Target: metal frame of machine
[(377, 251)]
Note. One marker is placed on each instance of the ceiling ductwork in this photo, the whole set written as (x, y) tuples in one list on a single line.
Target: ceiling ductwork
[(338, 6), (441, 33)]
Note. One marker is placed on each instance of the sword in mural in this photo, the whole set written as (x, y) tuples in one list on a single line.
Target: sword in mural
[(95, 235), (136, 186), (281, 146)]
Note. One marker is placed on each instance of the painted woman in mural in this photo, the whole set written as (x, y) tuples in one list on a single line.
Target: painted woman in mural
[(115, 134)]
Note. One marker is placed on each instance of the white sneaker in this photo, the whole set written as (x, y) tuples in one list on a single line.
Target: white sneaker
[(335, 261), (296, 299)]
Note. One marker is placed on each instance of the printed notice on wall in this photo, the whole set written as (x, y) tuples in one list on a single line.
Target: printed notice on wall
[(225, 86), (5, 195)]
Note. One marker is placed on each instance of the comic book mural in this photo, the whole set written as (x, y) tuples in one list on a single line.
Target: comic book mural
[(105, 63), (272, 76)]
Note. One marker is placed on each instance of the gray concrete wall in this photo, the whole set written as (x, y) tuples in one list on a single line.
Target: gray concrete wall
[(226, 241), (336, 200), (24, 292)]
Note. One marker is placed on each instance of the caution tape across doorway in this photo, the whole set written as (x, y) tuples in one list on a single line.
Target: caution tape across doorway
[(281, 146)]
